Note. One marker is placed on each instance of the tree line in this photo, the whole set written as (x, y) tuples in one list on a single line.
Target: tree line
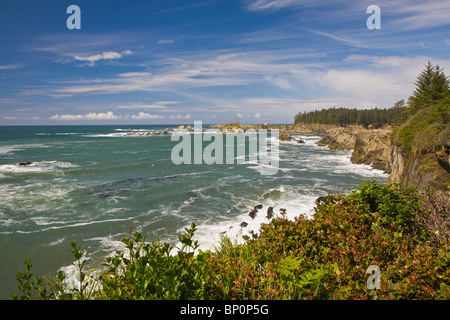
[(344, 116), (432, 88)]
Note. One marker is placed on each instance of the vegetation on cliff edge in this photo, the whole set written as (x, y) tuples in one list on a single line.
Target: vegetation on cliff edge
[(424, 138), (403, 233)]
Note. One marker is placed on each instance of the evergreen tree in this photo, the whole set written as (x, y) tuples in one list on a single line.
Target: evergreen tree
[(431, 86)]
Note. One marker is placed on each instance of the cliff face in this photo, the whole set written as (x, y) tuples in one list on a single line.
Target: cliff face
[(418, 153), (421, 153), (340, 138), (395, 165), (313, 128), (370, 146), (373, 147), (423, 169)]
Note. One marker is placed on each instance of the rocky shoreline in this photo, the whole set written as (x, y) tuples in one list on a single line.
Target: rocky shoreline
[(427, 166), (374, 147), (370, 146)]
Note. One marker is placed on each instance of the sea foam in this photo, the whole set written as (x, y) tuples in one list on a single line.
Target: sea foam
[(42, 166)]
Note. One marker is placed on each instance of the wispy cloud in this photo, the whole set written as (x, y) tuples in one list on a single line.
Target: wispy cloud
[(257, 5), (354, 81), (343, 39), (400, 14), (9, 66), (189, 6), (110, 55), (193, 71), (415, 14), (162, 41)]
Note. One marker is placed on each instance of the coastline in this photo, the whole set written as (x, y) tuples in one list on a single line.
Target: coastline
[(370, 146)]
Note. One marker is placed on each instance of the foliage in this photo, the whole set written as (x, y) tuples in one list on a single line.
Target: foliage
[(427, 129), (432, 85), (152, 272), (325, 257), (432, 88), (344, 116)]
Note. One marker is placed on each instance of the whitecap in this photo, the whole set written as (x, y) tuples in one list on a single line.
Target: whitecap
[(41, 166), (209, 234), (6, 149)]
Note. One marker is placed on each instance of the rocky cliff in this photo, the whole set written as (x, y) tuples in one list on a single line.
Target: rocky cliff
[(373, 147), (421, 169), (420, 154), (313, 128), (370, 146), (417, 153), (340, 138)]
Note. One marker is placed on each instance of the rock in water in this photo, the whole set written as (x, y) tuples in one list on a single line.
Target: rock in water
[(284, 134), (269, 213), (252, 213)]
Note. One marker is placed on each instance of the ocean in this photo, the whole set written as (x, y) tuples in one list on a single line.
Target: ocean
[(96, 184)]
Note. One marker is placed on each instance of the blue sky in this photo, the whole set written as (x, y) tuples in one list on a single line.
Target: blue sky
[(179, 61)]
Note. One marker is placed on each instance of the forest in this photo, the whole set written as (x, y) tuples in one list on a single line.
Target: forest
[(432, 90), (344, 116)]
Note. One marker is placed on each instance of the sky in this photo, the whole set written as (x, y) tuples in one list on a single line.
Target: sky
[(215, 61)]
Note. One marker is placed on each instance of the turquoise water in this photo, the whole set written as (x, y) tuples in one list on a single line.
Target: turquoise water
[(93, 184)]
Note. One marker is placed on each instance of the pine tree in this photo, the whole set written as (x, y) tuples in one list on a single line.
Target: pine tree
[(431, 86)]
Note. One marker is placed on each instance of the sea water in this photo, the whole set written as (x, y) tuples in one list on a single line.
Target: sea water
[(97, 184)]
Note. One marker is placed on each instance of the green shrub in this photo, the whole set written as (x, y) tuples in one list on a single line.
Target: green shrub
[(326, 257), (152, 272)]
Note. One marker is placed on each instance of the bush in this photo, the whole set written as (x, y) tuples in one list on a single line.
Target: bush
[(327, 257)]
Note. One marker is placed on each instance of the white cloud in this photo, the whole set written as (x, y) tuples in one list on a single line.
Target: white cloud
[(187, 117), (414, 14), (354, 81), (90, 116), (9, 66), (142, 106), (135, 74), (21, 118), (146, 116), (399, 14), (111, 116), (160, 106), (257, 115), (272, 4), (164, 41), (110, 55), (195, 71), (280, 82)]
